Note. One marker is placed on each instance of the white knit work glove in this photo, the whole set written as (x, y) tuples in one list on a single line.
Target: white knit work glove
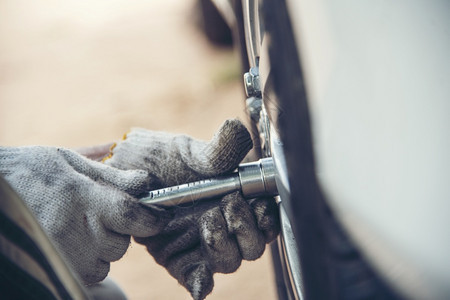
[(205, 237), (88, 209)]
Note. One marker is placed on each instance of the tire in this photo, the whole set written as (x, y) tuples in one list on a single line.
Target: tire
[(213, 25), (331, 265)]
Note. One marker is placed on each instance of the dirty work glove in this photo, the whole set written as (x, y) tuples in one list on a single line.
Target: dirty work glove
[(86, 208), (205, 237), (213, 237)]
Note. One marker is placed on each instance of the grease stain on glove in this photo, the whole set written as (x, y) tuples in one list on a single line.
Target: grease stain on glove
[(206, 237)]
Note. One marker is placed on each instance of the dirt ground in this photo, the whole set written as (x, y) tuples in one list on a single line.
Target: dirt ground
[(78, 73)]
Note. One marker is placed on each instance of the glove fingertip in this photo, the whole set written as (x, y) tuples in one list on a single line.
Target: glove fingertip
[(199, 282), (267, 216), (229, 146)]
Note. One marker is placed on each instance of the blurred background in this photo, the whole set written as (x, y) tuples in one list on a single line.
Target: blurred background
[(80, 73)]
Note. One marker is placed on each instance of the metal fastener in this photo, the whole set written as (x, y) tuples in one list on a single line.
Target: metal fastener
[(251, 83)]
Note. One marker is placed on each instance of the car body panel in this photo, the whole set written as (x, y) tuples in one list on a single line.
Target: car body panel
[(376, 76)]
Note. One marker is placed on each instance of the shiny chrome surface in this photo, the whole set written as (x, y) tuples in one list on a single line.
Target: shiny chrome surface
[(251, 83), (286, 242), (289, 255), (271, 146), (253, 105), (257, 178), (193, 191), (252, 31), (264, 132), (252, 179)]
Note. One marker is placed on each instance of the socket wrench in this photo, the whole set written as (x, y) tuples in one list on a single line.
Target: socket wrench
[(253, 179)]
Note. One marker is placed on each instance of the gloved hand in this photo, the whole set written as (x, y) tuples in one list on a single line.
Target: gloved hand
[(87, 209), (205, 237)]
